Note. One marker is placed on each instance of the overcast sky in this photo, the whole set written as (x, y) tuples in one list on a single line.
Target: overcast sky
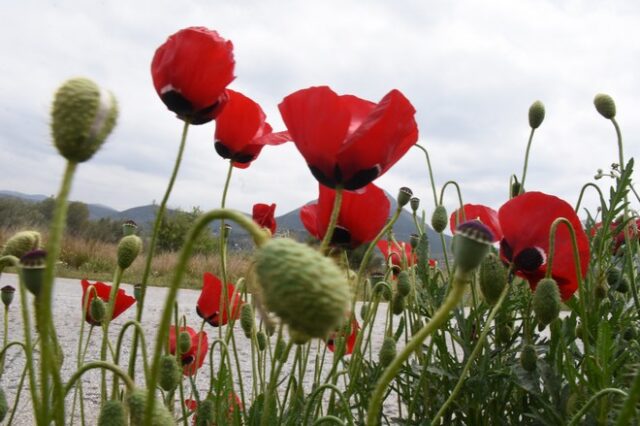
[(471, 69)]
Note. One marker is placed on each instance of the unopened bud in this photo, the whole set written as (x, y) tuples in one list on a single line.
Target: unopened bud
[(205, 413), (397, 305), (536, 114), (129, 248), (261, 338), (404, 284), (184, 342), (112, 413), (21, 243), (97, 310), (546, 301), (529, 358), (439, 219), (170, 373), (387, 351), (605, 105), (493, 278), (247, 319), (137, 404)]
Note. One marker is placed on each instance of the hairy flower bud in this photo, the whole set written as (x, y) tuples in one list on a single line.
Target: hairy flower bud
[(397, 304), (529, 358), (247, 319), (605, 105), (404, 283), (493, 278), (536, 114), (7, 293), (439, 219), (205, 413), (503, 334), (137, 404), (364, 310), (261, 338), (415, 204), (546, 301), (184, 342), (112, 413), (33, 264), (21, 243), (516, 188), (279, 352), (170, 373), (617, 280), (404, 196), (129, 248), (471, 244), (387, 351), (305, 289), (82, 117), (97, 310)]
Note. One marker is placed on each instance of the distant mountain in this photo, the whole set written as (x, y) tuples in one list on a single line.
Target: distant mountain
[(288, 223)]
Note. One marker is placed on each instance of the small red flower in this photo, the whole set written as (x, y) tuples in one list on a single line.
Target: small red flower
[(433, 263), (354, 329), (362, 215), (263, 215), (242, 131), (618, 230), (210, 306), (191, 71), (485, 215), (123, 300), (394, 251), (525, 223), (345, 140), (193, 359), (233, 400)]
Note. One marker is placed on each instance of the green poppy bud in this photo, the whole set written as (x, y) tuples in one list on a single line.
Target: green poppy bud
[(516, 188), (97, 309), (493, 278), (7, 293), (503, 334), (415, 204), (205, 413), (279, 351), (364, 310), (137, 404), (397, 305), (21, 243), (422, 252), (546, 301), (4, 406), (82, 117), (404, 283), (417, 326), (112, 413), (33, 264), (269, 328), (404, 196), (247, 319), (529, 358), (261, 338), (387, 351), (129, 228), (170, 373), (129, 248), (617, 280), (536, 114), (306, 290), (184, 342), (605, 106), (471, 244), (439, 219)]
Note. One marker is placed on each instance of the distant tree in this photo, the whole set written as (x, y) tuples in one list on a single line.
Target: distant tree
[(175, 227), (16, 213), (46, 207), (77, 217), (105, 230)]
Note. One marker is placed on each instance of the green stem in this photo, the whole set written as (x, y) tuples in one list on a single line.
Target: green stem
[(433, 185), (259, 237), (576, 418), (223, 237), (273, 380), (99, 364), (152, 245), (628, 412), (48, 338), (584, 188), (105, 328), (333, 221), (472, 357), (526, 161), (318, 392), (454, 297)]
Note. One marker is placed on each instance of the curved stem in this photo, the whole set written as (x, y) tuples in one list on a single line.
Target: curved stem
[(99, 364), (576, 418), (259, 237), (526, 161), (333, 221), (461, 209), (319, 391), (454, 297), (143, 343), (433, 184), (223, 238), (584, 188)]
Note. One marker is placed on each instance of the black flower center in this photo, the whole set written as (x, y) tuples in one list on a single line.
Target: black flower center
[(359, 180), (529, 259), (507, 251), (341, 237)]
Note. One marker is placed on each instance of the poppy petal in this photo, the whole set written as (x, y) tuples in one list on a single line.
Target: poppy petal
[(484, 214)]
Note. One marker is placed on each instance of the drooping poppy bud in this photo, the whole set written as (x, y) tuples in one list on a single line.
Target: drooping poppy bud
[(184, 342), (536, 114), (470, 245), (279, 352), (129, 248), (605, 105), (137, 404), (7, 292), (305, 289), (404, 283), (82, 117), (546, 301), (247, 319), (397, 305), (129, 228), (404, 196), (439, 219), (97, 310), (516, 188), (528, 358), (415, 204), (387, 351), (170, 373), (493, 278), (261, 338), (21, 243), (205, 413), (33, 264), (112, 413)]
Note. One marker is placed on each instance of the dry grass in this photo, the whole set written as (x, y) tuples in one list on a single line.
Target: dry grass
[(95, 260)]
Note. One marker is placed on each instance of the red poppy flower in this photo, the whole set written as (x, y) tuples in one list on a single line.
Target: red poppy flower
[(345, 140), (618, 239), (193, 359), (191, 71), (362, 215), (210, 306), (123, 300), (485, 215), (525, 223), (354, 329), (233, 400), (394, 251), (263, 215), (433, 263), (242, 131)]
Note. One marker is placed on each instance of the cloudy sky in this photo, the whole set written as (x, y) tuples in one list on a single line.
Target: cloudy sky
[(470, 68)]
